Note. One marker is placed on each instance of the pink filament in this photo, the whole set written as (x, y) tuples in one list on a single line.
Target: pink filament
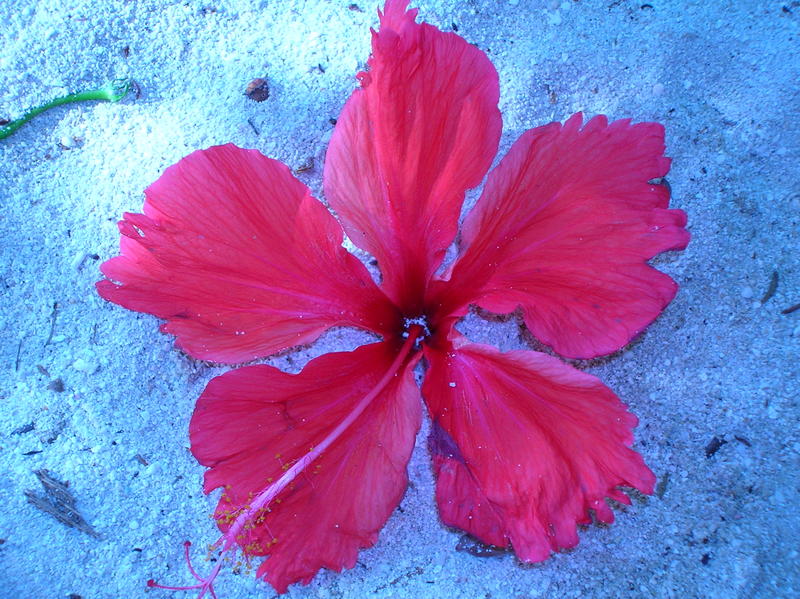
[(269, 493)]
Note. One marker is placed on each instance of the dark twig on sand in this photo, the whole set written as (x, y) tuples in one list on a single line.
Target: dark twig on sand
[(52, 323), (791, 309), (773, 286), (19, 350)]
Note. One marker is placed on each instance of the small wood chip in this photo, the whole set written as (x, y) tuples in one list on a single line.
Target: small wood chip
[(257, 90), (661, 487), (714, 445), (59, 503)]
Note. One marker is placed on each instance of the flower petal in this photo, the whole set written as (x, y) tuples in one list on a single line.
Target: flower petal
[(423, 129), (252, 423), (564, 228), (240, 260), (525, 445)]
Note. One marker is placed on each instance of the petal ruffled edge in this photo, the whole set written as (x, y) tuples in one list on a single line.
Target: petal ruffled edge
[(525, 446), (564, 228)]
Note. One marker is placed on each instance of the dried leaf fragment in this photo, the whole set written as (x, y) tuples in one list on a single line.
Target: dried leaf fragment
[(25, 428), (469, 544), (59, 503), (307, 166)]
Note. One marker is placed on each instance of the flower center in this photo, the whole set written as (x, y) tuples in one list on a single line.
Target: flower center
[(420, 321)]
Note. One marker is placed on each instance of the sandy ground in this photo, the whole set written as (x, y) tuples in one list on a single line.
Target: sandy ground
[(720, 362)]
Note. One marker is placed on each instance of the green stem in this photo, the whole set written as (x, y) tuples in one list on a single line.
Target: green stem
[(111, 92)]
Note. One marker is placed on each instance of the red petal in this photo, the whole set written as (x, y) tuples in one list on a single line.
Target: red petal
[(239, 259), (423, 129), (525, 445), (564, 228), (252, 423)]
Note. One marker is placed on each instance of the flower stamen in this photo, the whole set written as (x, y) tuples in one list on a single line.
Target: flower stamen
[(420, 322), (229, 540)]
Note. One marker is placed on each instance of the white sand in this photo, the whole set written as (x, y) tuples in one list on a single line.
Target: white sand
[(721, 76)]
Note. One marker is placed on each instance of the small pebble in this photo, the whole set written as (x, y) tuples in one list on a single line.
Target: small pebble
[(554, 18), (150, 470), (77, 260), (747, 292), (86, 366), (658, 89)]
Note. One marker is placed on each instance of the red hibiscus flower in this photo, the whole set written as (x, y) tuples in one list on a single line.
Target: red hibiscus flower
[(241, 262)]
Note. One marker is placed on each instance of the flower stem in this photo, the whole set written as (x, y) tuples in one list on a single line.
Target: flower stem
[(111, 92)]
